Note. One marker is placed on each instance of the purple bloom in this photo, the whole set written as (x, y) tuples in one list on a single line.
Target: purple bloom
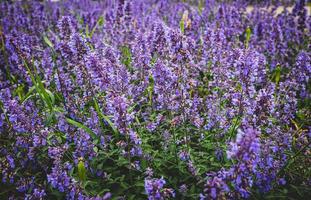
[(155, 189)]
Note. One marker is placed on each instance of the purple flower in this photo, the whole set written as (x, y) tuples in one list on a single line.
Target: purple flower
[(59, 179), (155, 189)]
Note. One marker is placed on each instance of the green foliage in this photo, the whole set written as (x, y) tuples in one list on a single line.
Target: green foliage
[(276, 74), (83, 127), (248, 33), (182, 26), (99, 23), (127, 57), (160, 153), (48, 42), (200, 6), (81, 170)]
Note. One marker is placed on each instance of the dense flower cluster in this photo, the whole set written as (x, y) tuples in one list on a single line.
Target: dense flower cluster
[(97, 98), (154, 189)]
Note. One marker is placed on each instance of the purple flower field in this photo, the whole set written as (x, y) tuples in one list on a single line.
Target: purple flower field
[(155, 99)]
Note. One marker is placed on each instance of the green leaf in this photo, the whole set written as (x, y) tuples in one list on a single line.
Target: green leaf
[(127, 57), (48, 42), (81, 170), (106, 118), (248, 36), (87, 32), (100, 22), (50, 118), (103, 191), (95, 149), (83, 127), (20, 91), (43, 92), (58, 109), (200, 7), (29, 94), (277, 74), (182, 26), (39, 86), (52, 97)]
